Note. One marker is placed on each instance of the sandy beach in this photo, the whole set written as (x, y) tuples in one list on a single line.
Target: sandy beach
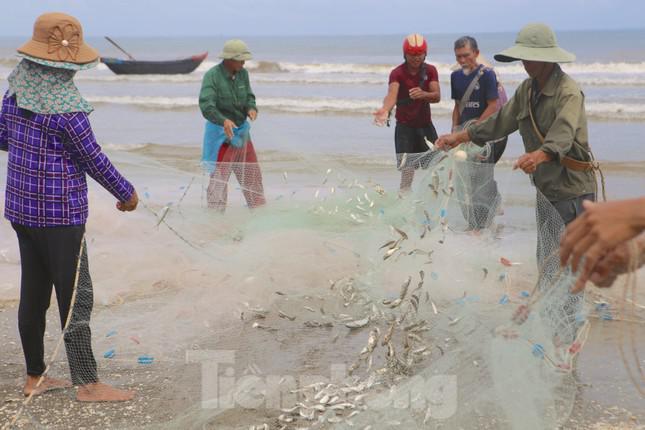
[(203, 285), (315, 312)]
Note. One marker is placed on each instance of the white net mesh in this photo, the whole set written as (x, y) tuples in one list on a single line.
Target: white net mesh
[(340, 303)]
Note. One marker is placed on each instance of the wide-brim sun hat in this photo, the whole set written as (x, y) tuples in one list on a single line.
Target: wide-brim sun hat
[(536, 42), (57, 41), (236, 50)]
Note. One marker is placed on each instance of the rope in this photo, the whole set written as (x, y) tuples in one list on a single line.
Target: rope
[(596, 172), (630, 287)]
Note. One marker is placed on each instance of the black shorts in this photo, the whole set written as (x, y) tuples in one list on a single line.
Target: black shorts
[(411, 140)]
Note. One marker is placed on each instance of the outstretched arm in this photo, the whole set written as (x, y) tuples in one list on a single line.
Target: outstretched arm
[(87, 153), (380, 116)]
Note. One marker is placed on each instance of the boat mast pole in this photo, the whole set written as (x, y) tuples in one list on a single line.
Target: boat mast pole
[(119, 48)]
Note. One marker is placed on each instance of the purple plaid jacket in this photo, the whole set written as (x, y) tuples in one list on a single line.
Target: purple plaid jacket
[(48, 158)]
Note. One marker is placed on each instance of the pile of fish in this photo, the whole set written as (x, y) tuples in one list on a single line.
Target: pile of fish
[(395, 328)]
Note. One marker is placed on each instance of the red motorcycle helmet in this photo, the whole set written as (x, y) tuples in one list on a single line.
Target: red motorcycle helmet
[(415, 44)]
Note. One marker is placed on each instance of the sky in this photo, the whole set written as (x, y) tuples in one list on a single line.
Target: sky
[(322, 17)]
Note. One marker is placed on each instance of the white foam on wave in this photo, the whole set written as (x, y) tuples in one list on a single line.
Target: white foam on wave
[(296, 79), (622, 74), (123, 146), (311, 105), (618, 68), (151, 102), (624, 111), (139, 78), (260, 78)]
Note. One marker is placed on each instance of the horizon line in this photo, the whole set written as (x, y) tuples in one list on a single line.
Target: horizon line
[(337, 35)]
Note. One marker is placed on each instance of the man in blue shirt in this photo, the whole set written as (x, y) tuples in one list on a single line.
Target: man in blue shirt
[(476, 93)]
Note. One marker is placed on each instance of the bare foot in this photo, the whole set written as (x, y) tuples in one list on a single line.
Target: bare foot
[(99, 392), (48, 384)]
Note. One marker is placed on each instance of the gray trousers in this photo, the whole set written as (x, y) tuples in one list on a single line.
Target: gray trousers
[(548, 235), (562, 317)]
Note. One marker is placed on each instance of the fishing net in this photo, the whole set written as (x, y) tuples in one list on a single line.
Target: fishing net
[(342, 302)]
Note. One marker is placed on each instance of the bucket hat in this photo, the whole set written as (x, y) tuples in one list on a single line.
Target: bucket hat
[(57, 41), (536, 42), (236, 50)]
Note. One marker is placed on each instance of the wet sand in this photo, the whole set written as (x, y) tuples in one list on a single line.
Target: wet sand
[(169, 391)]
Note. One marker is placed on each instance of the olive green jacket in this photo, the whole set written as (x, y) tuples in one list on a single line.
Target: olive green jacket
[(224, 96), (560, 116)]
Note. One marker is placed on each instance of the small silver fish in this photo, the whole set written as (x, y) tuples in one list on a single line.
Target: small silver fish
[(389, 253), (284, 315), (404, 236), (404, 160), (388, 334), (386, 244), (372, 341), (392, 304), (357, 323), (404, 288)]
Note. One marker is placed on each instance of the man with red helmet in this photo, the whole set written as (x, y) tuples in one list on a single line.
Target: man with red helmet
[(412, 87)]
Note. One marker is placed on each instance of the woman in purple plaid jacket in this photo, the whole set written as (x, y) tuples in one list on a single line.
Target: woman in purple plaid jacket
[(44, 127)]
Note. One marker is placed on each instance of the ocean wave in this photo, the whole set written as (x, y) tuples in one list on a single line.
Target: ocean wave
[(323, 68), (274, 72), (124, 146), (297, 79), (9, 62), (152, 102), (611, 68), (292, 105), (616, 111), (587, 81), (255, 79), (346, 106), (319, 80)]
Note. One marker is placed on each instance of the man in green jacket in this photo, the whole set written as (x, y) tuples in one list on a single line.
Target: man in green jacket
[(548, 109), (226, 100)]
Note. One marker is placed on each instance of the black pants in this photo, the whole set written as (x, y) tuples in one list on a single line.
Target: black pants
[(49, 256), (411, 151), (410, 140)]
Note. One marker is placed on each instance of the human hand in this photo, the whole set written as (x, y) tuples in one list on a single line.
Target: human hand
[(228, 128), (606, 270), (610, 266), (447, 141), (529, 161), (417, 93), (130, 205), (380, 116), (597, 232), (253, 114)]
